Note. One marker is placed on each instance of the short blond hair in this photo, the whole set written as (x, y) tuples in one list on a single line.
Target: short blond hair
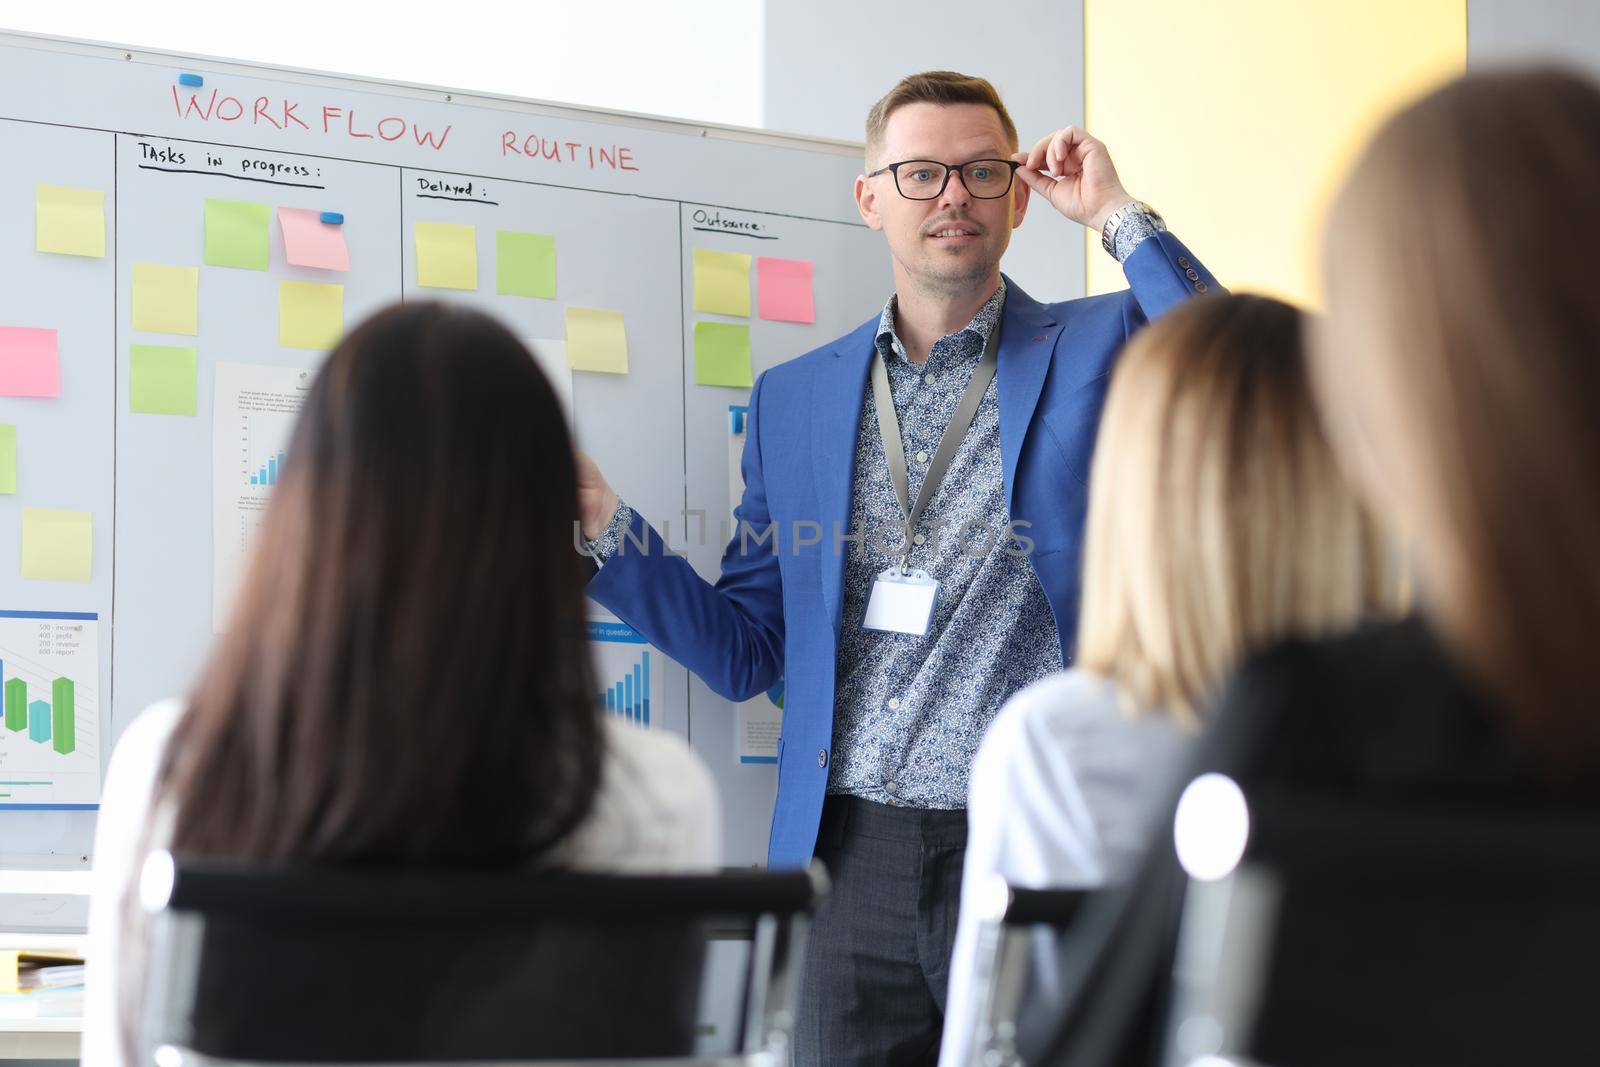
[(936, 87), (1218, 519)]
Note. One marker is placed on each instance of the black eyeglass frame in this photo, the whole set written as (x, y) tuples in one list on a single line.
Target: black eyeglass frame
[(949, 169)]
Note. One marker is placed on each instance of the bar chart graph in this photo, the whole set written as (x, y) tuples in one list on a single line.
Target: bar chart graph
[(49, 673), (623, 661), (267, 473), (629, 699)]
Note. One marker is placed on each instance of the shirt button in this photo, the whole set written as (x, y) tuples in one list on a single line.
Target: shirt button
[(894, 703), (918, 539), (922, 457), (822, 757), (933, 379)]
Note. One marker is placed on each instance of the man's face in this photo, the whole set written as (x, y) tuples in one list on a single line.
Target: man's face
[(955, 241)]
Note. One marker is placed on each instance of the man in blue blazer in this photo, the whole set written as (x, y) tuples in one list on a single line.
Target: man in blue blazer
[(909, 538)]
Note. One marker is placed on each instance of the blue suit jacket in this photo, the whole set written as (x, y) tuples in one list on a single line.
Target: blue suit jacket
[(776, 610)]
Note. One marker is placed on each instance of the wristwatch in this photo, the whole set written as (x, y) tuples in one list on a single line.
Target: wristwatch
[(1108, 234)]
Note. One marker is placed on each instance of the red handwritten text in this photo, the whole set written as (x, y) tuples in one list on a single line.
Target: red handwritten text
[(578, 153), (283, 114)]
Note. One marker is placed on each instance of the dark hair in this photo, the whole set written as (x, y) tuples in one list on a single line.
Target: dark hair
[(936, 87), (1459, 356), (402, 680)]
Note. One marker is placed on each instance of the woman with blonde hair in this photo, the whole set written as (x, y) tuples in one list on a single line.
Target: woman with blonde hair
[(1218, 524)]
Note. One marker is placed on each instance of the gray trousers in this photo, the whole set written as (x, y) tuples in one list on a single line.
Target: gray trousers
[(879, 957)]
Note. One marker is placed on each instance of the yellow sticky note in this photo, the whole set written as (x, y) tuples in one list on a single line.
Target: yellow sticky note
[(310, 315), (69, 222), (722, 282), (57, 546), (597, 340), (447, 255), (166, 299)]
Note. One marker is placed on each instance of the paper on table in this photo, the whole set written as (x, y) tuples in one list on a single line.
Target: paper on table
[(722, 282), (597, 340), (69, 222), (57, 546), (161, 380), (237, 234), (29, 362), (166, 299), (310, 242), (8, 458), (551, 356), (722, 354), (784, 292), (525, 264), (310, 314), (447, 255)]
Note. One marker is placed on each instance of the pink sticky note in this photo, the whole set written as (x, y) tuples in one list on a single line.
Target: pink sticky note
[(784, 288), (29, 364), (310, 242)]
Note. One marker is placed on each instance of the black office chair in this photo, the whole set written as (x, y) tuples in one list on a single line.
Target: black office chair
[(345, 966), (1018, 932), (1394, 937)]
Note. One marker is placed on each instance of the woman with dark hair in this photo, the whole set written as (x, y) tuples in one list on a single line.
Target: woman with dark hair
[(403, 680)]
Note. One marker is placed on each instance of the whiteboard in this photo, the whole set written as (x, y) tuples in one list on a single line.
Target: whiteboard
[(627, 198)]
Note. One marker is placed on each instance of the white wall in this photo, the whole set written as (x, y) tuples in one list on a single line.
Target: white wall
[(827, 61), (699, 60), (1534, 30)]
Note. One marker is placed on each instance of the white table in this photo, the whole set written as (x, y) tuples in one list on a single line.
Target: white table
[(50, 1038)]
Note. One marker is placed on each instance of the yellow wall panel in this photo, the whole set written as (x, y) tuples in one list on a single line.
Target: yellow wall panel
[(1236, 118)]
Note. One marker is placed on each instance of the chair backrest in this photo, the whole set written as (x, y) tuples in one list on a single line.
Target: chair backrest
[(1387, 937), (1014, 967), (364, 965)]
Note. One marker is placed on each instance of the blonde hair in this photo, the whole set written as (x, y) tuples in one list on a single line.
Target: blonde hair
[(1460, 374), (935, 87), (1218, 519)]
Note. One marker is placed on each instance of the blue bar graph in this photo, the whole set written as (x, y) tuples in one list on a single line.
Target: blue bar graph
[(629, 699), (268, 475)]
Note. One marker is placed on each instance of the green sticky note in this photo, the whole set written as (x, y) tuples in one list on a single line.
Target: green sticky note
[(722, 282), (310, 315), (57, 546), (8, 458), (597, 340), (166, 299), (69, 222), (525, 264), (236, 234), (161, 380), (722, 354), (447, 255)]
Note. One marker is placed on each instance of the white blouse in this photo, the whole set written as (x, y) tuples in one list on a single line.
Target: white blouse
[(657, 811), (1063, 790)]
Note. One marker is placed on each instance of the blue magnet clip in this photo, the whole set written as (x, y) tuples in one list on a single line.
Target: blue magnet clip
[(334, 217), (194, 81), (736, 416)]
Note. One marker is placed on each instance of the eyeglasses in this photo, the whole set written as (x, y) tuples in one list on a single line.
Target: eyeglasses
[(925, 179)]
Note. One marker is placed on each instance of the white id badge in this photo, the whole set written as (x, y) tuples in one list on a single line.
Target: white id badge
[(901, 603)]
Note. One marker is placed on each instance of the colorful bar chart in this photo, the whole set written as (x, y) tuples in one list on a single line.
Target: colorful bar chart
[(268, 474), (49, 678), (54, 720)]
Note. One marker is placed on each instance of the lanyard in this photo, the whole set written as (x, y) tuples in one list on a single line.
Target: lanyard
[(960, 422)]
